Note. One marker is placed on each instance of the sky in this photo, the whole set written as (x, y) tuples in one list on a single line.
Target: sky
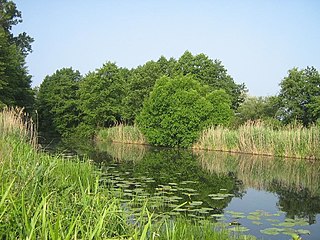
[(257, 41)]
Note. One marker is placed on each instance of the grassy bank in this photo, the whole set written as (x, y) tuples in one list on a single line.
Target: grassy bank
[(252, 137), (48, 197), (257, 138), (122, 134)]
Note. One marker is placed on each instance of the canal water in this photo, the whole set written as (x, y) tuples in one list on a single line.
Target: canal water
[(270, 198)]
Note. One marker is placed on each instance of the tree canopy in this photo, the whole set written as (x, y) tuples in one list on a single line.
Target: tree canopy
[(179, 108), (15, 82), (57, 102), (300, 96), (101, 95)]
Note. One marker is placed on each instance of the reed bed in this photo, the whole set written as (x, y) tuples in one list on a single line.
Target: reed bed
[(50, 197), (122, 134), (258, 138)]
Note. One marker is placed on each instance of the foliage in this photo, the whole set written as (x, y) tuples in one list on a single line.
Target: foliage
[(211, 73), (255, 108), (179, 108), (57, 102), (101, 95), (203, 69), (300, 96), (140, 84), (15, 82)]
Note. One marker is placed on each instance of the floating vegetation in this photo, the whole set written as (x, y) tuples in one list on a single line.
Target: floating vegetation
[(167, 195)]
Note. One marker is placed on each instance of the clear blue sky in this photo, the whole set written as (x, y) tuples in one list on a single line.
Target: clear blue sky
[(258, 41)]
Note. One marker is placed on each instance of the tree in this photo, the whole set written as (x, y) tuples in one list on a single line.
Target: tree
[(57, 102), (179, 108), (211, 73), (101, 95), (254, 108), (299, 96), (15, 82)]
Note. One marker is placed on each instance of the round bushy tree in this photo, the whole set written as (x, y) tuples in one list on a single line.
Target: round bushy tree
[(179, 108)]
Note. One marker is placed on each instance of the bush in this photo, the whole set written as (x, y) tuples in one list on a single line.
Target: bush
[(179, 108)]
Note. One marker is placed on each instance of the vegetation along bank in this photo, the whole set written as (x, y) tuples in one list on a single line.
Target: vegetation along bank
[(49, 197)]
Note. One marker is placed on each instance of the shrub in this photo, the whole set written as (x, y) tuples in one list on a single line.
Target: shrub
[(179, 108)]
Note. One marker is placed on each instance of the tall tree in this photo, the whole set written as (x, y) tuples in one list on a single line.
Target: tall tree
[(57, 102), (101, 95), (15, 82), (299, 96), (211, 73)]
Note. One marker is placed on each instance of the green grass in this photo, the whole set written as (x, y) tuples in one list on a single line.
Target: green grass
[(252, 137), (121, 134), (49, 197), (258, 138)]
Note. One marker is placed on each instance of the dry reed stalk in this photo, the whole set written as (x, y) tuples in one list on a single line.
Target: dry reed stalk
[(16, 121)]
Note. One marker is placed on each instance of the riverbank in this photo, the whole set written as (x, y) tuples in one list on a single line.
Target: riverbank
[(251, 138), (49, 197)]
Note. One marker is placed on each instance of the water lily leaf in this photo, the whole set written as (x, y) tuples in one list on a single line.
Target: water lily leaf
[(250, 217), (285, 224), (271, 231), (256, 223), (303, 231), (195, 203), (272, 220)]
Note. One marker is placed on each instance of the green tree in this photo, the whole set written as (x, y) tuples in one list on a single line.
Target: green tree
[(299, 96), (179, 108), (254, 108), (57, 102), (101, 95), (15, 82), (211, 73)]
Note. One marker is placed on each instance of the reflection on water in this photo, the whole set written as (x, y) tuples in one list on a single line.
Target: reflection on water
[(266, 196)]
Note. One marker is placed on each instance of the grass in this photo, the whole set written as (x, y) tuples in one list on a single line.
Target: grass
[(257, 138), (49, 197), (252, 137), (122, 133)]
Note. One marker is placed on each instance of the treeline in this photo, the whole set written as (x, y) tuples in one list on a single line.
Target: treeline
[(69, 103), (166, 97), (15, 82)]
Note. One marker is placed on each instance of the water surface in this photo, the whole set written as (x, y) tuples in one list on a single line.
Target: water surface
[(266, 197)]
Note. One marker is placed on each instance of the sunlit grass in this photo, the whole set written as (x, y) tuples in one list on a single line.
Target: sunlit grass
[(121, 134), (258, 138)]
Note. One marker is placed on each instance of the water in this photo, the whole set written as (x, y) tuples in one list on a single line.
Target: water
[(265, 197)]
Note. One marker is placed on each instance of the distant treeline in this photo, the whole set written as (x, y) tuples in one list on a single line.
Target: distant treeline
[(67, 101)]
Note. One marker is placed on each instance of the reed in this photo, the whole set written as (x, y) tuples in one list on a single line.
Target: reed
[(122, 134), (258, 138)]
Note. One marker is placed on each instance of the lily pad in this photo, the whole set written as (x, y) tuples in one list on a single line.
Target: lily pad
[(196, 203), (271, 231)]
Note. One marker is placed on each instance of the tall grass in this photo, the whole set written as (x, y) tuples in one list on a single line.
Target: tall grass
[(49, 197), (258, 138), (122, 134)]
